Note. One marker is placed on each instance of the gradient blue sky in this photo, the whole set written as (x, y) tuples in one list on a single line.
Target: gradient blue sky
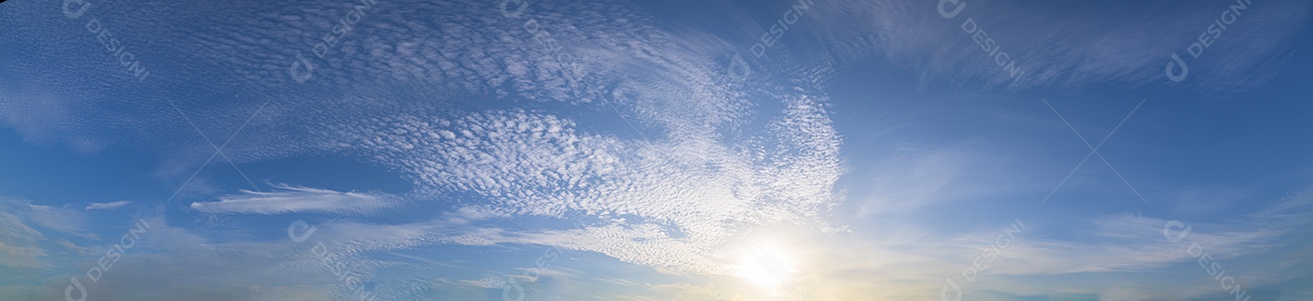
[(618, 150)]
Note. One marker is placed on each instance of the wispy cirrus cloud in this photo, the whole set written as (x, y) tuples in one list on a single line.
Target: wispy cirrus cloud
[(1065, 46), (110, 205), (18, 242), (295, 199), (1036, 262)]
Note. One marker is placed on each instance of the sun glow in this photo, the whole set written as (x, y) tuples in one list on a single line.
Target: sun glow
[(765, 266)]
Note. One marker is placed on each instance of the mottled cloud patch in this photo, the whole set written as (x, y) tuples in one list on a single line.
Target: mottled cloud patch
[(668, 202)]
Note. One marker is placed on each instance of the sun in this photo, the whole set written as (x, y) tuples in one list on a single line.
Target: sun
[(765, 266)]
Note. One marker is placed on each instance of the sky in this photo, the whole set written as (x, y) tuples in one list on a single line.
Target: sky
[(656, 150)]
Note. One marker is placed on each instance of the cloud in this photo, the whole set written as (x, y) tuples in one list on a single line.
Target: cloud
[(696, 182), (61, 219), (689, 168), (468, 214), (21, 233), (294, 199), (1120, 255), (19, 243), (694, 163), (679, 161), (202, 269), (1064, 46), (197, 267), (110, 205)]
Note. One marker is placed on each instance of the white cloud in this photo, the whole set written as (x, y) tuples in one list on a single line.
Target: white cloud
[(1093, 256), (1088, 45), (696, 182), (110, 205), (290, 199), (18, 242), (60, 219), (700, 166)]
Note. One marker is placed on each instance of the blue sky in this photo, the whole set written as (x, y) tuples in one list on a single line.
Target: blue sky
[(688, 150)]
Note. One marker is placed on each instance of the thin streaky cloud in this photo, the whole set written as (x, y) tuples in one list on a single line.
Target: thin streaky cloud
[(110, 205), (293, 199)]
